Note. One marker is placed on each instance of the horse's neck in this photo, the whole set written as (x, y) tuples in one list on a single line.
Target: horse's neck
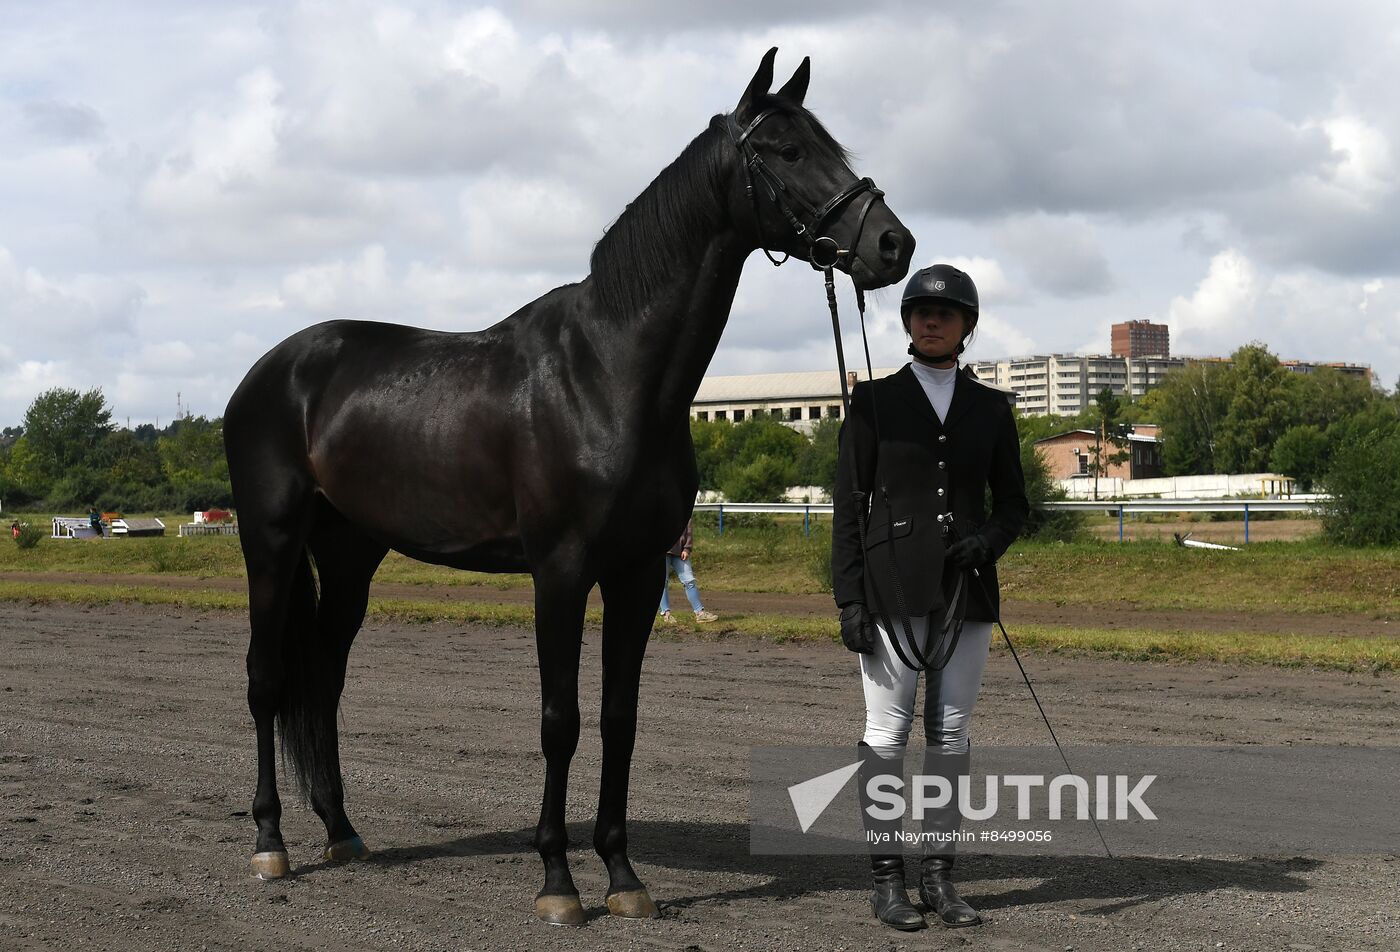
[(663, 320), (668, 345)]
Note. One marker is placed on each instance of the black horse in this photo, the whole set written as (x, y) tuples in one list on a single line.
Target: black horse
[(556, 442)]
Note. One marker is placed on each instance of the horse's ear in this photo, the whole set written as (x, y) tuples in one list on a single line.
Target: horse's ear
[(758, 86), (795, 89)]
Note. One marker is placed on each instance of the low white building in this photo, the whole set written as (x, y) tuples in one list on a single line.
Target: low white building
[(797, 399), (1215, 486)]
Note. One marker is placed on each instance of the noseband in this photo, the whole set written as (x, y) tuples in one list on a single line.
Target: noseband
[(823, 251)]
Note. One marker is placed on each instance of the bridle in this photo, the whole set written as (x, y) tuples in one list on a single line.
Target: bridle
[(823, 251)]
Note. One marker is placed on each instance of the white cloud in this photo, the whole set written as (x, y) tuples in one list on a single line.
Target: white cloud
[(46, 316), (1212, 319)]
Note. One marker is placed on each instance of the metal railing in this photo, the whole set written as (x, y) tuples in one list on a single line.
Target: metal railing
[(1296, 503)]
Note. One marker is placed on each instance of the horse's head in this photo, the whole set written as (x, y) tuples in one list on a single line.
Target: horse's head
[(796, 192)]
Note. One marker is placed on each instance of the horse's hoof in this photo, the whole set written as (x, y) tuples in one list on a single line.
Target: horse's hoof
[(272, 864), (560, 910), (353, 848), (632, 904)]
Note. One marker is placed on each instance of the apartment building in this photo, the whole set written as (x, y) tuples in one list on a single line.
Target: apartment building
[(1064, 384), (1139, 339)]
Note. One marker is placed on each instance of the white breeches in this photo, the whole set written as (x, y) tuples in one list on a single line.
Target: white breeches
[(890, 688)]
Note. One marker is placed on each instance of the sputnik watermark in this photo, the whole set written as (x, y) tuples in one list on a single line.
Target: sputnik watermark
[(1115, 796), (1263, 801)]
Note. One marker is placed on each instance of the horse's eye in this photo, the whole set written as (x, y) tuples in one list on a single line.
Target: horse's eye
[(789, 153)]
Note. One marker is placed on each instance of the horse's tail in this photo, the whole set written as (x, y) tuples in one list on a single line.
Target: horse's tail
[(306, 719)]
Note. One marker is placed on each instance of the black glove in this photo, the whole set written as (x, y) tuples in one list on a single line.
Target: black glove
[(970, 553), (857, 631)]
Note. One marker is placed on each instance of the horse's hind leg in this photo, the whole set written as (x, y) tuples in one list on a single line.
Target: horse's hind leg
[(629, 607), (345, 563), (281, 594)]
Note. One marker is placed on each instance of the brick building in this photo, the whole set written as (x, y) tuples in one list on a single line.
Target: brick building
[(1070, 454), (1140, 339)]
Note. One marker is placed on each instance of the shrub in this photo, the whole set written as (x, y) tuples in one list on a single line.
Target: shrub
[(29, 535), (762, 480), (1045, 525), (1364, 481), (734, 520)]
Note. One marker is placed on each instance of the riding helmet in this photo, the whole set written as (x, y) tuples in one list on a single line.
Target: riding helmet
[(941, 282)]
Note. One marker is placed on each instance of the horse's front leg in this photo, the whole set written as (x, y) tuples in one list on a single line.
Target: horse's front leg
[(630, 600), (560, 600)]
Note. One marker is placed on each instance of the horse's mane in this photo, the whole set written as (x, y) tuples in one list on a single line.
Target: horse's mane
[(675, 215)]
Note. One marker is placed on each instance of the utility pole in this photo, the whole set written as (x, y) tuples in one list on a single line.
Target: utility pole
[(1098, 458)]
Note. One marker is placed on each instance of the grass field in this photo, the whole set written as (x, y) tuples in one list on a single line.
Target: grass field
[(1308, 577)]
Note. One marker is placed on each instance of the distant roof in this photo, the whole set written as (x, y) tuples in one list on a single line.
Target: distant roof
[(802, 385), (1135, 437), (1063, 434)]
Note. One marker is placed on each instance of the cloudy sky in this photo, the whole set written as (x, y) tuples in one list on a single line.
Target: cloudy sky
[(183, 186)]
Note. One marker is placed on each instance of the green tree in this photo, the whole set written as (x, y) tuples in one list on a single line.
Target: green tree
[(1364, 480), (1047, 525), (1261, 408), (126, 460), (1325, 396), (63, 429), (1110, 443), (1191, 403), (1032, 427), (765, 435), (193, 451), (816, 464), (712, 449), (1301, 452), (762, 479), (22, 477)]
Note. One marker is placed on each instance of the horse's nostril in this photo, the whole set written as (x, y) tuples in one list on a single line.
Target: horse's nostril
[(891, 244)]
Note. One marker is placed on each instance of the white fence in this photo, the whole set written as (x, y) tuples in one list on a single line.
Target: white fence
[(1298, 503)]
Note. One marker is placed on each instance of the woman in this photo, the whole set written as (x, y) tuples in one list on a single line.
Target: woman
[(915, 473)]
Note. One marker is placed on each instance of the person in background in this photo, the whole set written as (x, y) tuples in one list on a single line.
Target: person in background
[(95, 519), (678, 561)]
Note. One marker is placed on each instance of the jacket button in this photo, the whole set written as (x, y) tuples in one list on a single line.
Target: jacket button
[(940, 517), (940, 490), (942, 465), (942, 438)]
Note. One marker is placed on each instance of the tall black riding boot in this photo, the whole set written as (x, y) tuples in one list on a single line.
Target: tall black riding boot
[(938, 894), (889, 900)]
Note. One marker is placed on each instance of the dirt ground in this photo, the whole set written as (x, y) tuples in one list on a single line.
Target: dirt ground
[(127, 770), (1228, 533)]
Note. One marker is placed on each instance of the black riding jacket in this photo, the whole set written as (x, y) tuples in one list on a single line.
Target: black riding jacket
[(930, 469)]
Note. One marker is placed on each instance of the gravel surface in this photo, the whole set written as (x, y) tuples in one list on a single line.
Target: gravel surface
[(127, 770)]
